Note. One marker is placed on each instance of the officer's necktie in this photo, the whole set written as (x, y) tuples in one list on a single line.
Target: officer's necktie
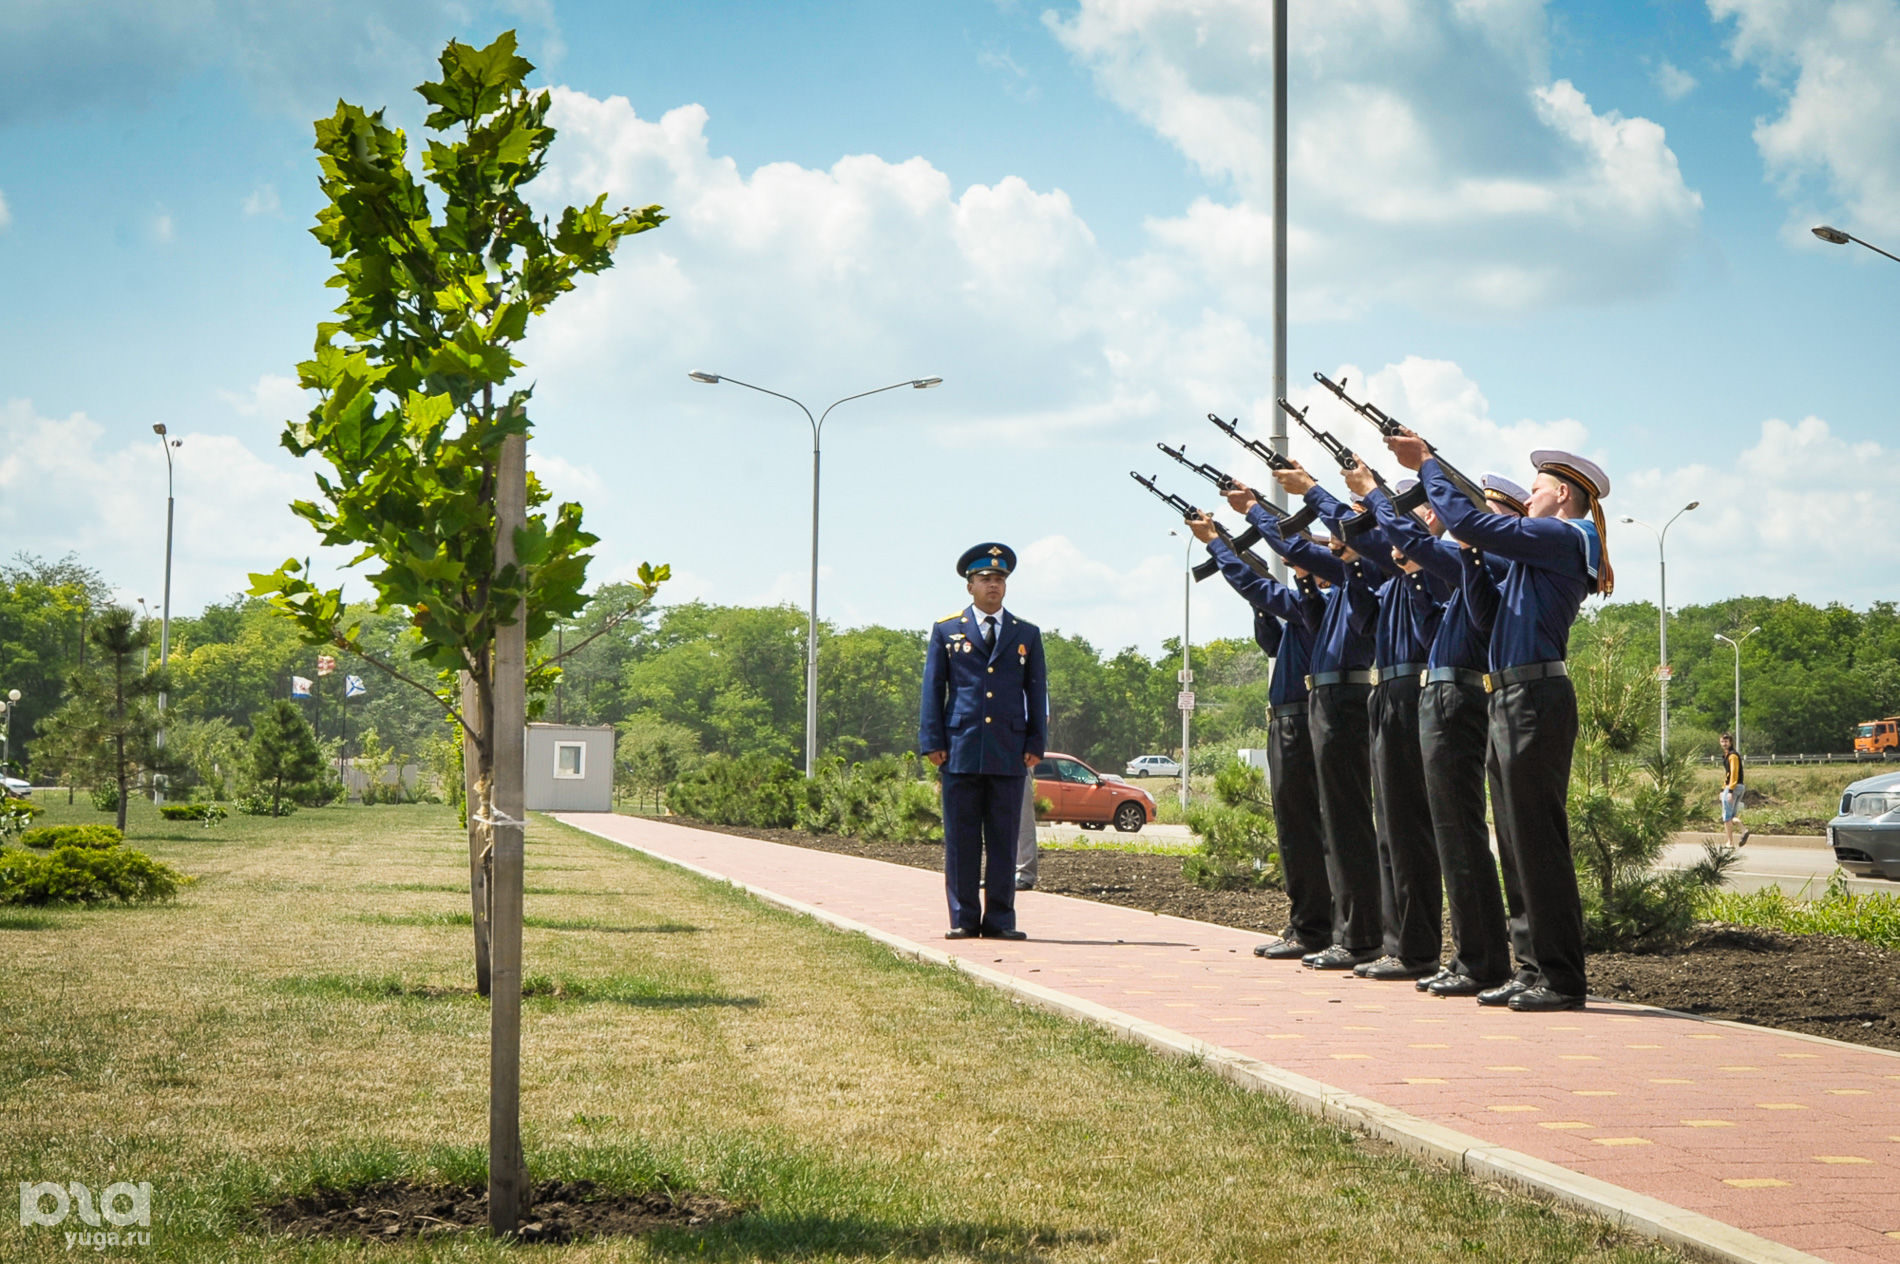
[(989, 631)]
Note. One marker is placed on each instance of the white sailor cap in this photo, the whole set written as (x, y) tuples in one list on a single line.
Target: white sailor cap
[(1403, 486), (1573, 467), (1498, 487)]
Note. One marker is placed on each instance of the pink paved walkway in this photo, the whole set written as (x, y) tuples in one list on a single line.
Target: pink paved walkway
[(1788, 1138)]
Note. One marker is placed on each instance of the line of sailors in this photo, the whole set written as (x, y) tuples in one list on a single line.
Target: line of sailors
[(1418, 658)]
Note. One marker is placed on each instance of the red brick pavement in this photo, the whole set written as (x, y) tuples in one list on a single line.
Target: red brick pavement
[(1788, 1138)]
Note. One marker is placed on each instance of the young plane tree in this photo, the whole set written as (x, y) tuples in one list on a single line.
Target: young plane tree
[(424, 426)]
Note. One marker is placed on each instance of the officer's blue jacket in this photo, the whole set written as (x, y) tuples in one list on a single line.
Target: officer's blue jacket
[(1552, 568), (1461, 638), (986, 708)]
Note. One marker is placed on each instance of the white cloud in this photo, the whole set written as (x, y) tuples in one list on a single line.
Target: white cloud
[(6, 212), (273, 398), (162, 228), (1672, 80), (74, 484), (262, 201), (1435, 160), (1835, 147)]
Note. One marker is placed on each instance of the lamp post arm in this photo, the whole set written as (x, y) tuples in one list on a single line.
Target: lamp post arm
[(820, 424), (787, 398), (1876, 249)]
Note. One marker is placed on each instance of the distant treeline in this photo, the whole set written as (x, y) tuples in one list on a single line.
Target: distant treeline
[(731, 679)]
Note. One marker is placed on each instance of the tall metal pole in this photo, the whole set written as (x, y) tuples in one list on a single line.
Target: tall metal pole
[(165, 615), (1736, 645), (811, 627), (1279, 248), (507, 1170), (1187, 671), (1662, 629)]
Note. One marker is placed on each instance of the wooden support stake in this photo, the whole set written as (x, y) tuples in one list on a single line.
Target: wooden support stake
[(507, 1170)]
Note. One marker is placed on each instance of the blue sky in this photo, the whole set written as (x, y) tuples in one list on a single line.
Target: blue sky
[(1527, 224)]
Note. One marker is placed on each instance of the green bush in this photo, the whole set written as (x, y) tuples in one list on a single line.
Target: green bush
[(886, 799), (209, 813), (16, 815), (1239, 848), (48, 837), (754, 790), (260, 804), (105, 798), (1872, 918), (76, 875)]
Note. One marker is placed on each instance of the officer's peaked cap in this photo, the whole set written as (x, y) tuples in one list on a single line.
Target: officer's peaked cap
[(989, 556)]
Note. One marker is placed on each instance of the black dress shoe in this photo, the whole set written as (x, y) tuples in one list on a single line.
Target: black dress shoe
[(1451, 983), (1281, 950), (1390, 969), (1503, 992), (1339, 957), (1025, 886), (1425, 984), (1003, 934), (959, 932), (1544, 999)]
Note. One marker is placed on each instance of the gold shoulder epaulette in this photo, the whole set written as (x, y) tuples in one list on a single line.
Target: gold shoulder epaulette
[(955, 614)]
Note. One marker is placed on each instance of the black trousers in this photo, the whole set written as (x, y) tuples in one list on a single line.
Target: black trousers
[(1518, 924), (1411, 906), (1342, 757), (981, 815), (1453, 720), (1534, 728), (1296, 816)]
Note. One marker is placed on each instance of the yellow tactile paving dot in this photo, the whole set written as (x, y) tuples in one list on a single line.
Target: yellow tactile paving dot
[(1499, 1037), (1137, 992), (1428, 1045), (1514, 1110), (1564, 1027), (1623, 1018), (1699, 1035), (1642, 1046), (1352, 1057), (1565, 1124), (1708, 1123), (1431, 1020), (1840, 1158), (1507, 1068), (1593, 1092), (1894, 1234), (1779, 1106), (1578, 1057), (1424, 1079), (1622, 1141), (1738, 1068), (1797, 1055), (1753, 1182), (1849, 1092), (1364, 1027), (1207, 987), (1234, 1019), (1179, 1005), (1667, 1080), (1285, 1035), (1372, 1007)]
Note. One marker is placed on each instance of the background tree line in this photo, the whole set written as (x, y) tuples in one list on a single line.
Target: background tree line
[(696, 678)]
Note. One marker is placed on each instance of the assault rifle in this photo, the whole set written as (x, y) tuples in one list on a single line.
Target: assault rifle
[(1289, 523), (1273, 459), (1389, 427), (1180, 506)]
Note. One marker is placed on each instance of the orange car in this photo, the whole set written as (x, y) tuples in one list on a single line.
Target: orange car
[(1076, 792)]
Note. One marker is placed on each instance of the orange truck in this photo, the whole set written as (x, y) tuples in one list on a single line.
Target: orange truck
[(1878, 735)]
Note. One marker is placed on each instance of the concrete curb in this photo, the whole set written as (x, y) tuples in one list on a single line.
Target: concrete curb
[(1421, 1138)]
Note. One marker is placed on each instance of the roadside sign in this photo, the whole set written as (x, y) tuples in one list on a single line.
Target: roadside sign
[(1185, 676), (1185, 700), (1664, 673)]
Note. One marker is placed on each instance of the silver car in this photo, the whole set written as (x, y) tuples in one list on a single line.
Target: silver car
[(1866, 835)]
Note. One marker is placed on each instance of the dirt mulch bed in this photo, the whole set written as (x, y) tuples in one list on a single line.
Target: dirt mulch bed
[(560, 1211), (1818, 984)]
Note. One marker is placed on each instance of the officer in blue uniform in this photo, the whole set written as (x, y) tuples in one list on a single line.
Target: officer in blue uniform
[(985, 705), (1555, 557)]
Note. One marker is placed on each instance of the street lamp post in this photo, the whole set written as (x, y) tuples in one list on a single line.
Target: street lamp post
[(1835, 237), (1186, 697), (165, 616), (1662, 616), (1736, 645), (811, 635)]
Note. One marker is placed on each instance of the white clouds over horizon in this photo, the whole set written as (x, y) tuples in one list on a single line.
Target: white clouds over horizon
[(1835, 147), (1437, 163)]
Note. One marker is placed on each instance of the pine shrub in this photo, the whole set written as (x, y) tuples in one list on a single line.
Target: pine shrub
[(1239, 847), (753, 790), (94, 837), (86, 875)]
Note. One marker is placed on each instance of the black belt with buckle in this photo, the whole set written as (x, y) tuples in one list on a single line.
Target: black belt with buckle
[(1518, 675), (1322, 679), (1457, 675), (1382, 674), (1286, 710)]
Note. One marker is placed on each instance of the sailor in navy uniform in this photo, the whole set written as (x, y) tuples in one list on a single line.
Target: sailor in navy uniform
[(985, 705), (1555, 558)]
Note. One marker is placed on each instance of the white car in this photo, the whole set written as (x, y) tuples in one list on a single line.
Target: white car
[(14, 788), (1153, 766)]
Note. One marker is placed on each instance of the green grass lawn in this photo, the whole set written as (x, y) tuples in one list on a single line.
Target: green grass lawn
[(1782, 799), (303, 1016)]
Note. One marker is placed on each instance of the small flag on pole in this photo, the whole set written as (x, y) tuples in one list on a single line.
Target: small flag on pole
[(353, 687), (326, 663), (300, 686)]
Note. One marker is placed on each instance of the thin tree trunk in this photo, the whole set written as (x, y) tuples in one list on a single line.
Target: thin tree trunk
[(475, 807), (118, 738), (508, 1188)]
